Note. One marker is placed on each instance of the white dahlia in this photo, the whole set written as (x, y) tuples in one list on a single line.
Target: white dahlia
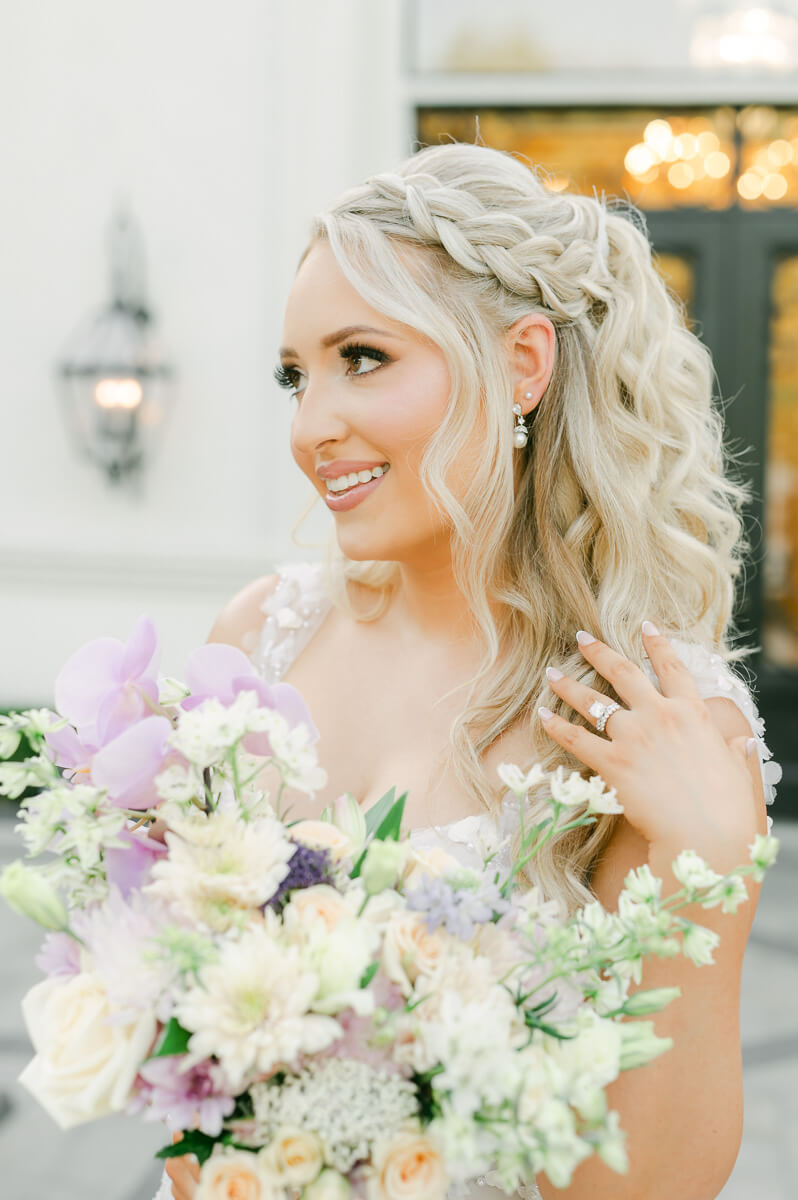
[(249, 1008)]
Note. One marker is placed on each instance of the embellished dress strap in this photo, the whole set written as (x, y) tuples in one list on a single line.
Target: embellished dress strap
[(714, 677), (294, 611)]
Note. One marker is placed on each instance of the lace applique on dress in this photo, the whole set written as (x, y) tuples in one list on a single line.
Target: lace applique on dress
[(714, 677), (294, 611)]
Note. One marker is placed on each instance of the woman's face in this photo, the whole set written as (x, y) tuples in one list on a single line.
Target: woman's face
[(369, 395)]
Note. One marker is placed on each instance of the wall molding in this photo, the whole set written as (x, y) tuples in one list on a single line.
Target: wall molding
[(24, 568)]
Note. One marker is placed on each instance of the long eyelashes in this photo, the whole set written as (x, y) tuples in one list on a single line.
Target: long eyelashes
[(352, 352)]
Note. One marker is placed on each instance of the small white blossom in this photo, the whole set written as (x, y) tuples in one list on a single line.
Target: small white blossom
[(693, 873), (729, 892), (642, 885), (520, 782), (179, 784), (699, 943), (762, 853)]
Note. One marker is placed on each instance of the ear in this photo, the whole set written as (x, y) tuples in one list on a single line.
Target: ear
[(531, 343)]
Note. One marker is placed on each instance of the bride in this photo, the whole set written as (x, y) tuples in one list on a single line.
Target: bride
[(502, 407)]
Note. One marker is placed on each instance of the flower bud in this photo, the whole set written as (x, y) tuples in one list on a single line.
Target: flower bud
[(383, 865), (29, 893), (640, 1004), (640, 1044), (347, 815), (330, 1185)]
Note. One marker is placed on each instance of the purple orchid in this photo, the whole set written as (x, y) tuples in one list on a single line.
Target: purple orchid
[(108, 685), (127, 766), (221, 672), (128, 867), (183, 1099)]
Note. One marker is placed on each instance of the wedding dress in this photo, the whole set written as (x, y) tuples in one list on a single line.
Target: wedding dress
[(294, 612)]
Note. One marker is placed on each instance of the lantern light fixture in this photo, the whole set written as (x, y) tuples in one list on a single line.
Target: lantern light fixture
[(116, 383)]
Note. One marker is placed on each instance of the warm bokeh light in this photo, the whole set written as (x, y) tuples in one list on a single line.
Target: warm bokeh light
[(640, 159), (708, 142), (774, 186), (717, 164), (118, 393), (686, 145), (749, 185), (680, 175), (659, 136), (780, 152)]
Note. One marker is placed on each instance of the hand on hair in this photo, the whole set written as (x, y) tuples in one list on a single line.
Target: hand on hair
[(681, 783)]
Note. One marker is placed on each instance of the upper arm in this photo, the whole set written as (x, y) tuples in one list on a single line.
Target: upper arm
[(243, 616)]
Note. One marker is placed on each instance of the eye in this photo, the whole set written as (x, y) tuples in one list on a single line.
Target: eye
[(363, 360), (288, 377)]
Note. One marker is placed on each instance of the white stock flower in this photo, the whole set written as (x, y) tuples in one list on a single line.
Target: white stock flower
[(250, 1008), (219, 865), (179, 785), (294, 754), (600, 798), (692, 872), (642, 885), (205, 734), (729, 892), (699, 943), (762, 853), (85, 1061), (520, 782)]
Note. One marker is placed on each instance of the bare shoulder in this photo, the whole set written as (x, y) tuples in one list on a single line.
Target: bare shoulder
[(243, 616)]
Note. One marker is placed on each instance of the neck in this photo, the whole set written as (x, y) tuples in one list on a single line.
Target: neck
[(428, 605)]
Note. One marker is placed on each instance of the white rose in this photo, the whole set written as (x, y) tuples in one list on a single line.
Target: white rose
[(84, 1065), (295, 1156), (410, 950), (322, 835), (320, 903), (235, 1174), (409, 1167)]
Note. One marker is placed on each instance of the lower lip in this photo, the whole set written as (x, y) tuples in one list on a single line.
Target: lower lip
[(341, 501)]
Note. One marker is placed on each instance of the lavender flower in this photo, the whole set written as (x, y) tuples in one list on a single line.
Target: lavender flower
[(458, 908), (306, 867), (182, 1099)]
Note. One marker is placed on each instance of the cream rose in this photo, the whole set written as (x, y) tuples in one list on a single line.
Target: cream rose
[(428, 860), (330, 1185), (322, 835), (84, 1065), (318, 903), (236, 1175), (409, 1168), (410, 950), (294, 1156)]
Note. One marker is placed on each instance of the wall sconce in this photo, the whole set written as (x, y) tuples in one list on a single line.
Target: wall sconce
[(116, 382)]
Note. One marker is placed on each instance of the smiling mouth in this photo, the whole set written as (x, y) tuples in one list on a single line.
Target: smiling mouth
[(347, 483)]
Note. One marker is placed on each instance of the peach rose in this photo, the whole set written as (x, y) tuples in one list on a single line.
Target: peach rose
[(237, 1175), (408, 1168), (410, 950), (322, 835), (318, 903), (294, 1156)]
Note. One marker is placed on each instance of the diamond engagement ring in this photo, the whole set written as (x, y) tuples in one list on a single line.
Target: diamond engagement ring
[(602, 713)]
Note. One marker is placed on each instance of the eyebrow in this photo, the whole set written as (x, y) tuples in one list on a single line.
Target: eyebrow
[(340, 335)]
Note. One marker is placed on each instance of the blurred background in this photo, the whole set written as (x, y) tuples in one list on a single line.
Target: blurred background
[(160, 166)]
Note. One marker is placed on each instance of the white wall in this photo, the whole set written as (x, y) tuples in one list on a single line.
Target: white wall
[(226, 127)]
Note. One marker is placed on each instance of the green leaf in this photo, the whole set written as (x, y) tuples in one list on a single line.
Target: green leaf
[(378, 810), (369, 973), (175, 1040), (192, 1142), (388, 825)]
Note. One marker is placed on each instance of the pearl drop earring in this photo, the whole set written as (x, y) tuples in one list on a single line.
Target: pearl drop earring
[(520, 432)]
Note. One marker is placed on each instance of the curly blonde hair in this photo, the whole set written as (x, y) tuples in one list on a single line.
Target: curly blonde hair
[(622, 506)]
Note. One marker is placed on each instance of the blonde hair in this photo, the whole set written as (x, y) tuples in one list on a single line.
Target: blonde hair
[(623, 509)]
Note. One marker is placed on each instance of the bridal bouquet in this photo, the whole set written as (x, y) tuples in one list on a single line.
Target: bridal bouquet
[(325, 1006)]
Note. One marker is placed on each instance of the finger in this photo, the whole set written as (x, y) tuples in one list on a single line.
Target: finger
[(630, 682), (674, 677), (588, 747), (580, 697)]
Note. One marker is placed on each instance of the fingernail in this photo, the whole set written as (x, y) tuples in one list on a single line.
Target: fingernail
[(650, 629), (750, 747), (553, 673), (583, 638), (544, 713)]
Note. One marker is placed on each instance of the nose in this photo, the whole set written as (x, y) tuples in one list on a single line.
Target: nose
[(317, 421)]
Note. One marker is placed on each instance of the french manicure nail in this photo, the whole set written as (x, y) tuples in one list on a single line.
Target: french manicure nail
[(650, 629), (544, 713), (750, 747), (553, 673), (584, 638)]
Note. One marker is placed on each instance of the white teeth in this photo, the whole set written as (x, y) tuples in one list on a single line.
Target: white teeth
[(343, 482)]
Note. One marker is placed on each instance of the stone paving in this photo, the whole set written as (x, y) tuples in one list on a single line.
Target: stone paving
[(111, 1159)]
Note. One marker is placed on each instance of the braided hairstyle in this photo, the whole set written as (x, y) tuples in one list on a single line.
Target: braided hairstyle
[(621, 506)]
